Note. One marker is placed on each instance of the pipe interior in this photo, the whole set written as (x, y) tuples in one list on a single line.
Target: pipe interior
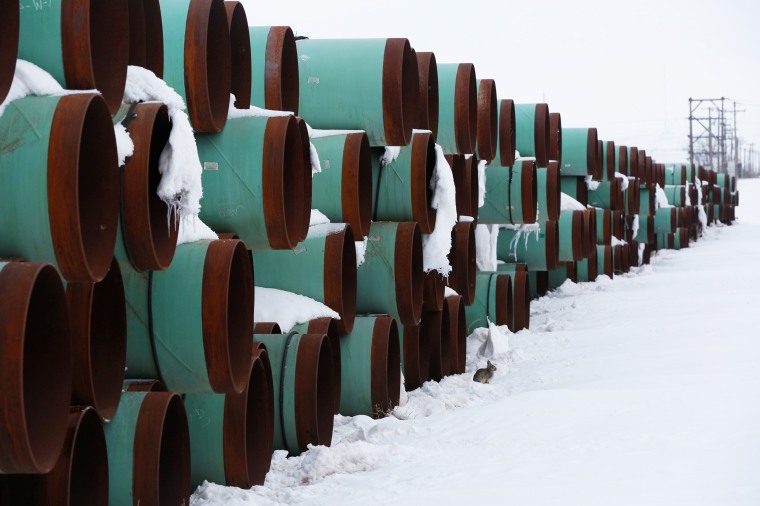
[(239, 313), (393, 371), (88, 472), (240, 44), (137, 33), (542, 134), (109, 48), (218, 64), (410, 89), (303, 226), (164, 231), (430, 326), (357, 184), (348, 277), (154, 37), (174, 455), (432, 94), (285, 58), (472, 109), (507, 132), (9, 13), (325, 396), (258, 436), (295, 169)]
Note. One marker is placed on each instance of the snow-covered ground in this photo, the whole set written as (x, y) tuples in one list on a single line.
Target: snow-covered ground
[(642, 390)]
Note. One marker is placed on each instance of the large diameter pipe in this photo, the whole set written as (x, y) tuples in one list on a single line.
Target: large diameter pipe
[(148, 450), (632, 169), (555, 137), (539, 283), (540, 251), (458, 108), (329, 327), (428, 104), (454, 306), (390, 281), (240, 54), (35, 379), (432, 324), (402, 189), (146, 35), (465, 172), (231, 435), (603, 226), (645, 233), (588, 268), (415, 356), (604, 260), (9, 13), (549, 192), (493, 301), (621, 160), (86, 48), (571, 243), (576, 187), (488, 120), (254, 181), (197, 59), (346, 170), (621, 258), (532, 132), (98, 318), (150, 238), (505, 146), (364, 84), (589, 231), (557, 277), (322, 268), (665, 220), (676, 195), (632, 198), (676, 174), (434, 291), (463, 261), (608, 160), (647, 200), (302, 372), (511, 194), (274, 68), (579, 146), (607, 195), (370, 367), (62, 152), (520, 295)]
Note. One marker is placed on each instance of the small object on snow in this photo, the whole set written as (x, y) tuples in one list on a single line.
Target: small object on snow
[(483, 375)]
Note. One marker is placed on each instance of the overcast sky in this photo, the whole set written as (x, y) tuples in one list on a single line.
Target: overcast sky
[(627, 68)]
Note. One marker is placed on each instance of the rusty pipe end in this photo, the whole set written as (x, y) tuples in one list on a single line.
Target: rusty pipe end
[(281, 79), (622, 158), (435, 287), (521, 301), (329, 327), (465, 108), (9, 13), (458, 333), (600, 163), (227, 314), (423, 169), (428, 71), (408, 273), (504, 304), (431, 326), (401, 90), (471, 176), (146, 36), (555, 137), (266, 328), (463, 261), (609, 163), (606, 261), (314, 396), (240, 54), (529, 191), (340, 277), (356, 183), (553, 191), (541, 132), (552, 245), (507, 132), (591, 153), (487, 120), (385, 367), (302, 224)]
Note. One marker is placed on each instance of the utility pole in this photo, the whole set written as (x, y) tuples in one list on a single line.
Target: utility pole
[(709, 137)]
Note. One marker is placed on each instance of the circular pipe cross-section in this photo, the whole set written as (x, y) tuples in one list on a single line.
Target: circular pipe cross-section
[(488, 120), (415, 350), (146, 35), (274, 68), (506, 139), (440, 346), (428, 72), (555, 137), (240, 54), (329, 327), (454, 309)]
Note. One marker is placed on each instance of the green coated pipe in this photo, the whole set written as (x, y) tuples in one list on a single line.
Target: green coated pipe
[(575, 187), (59, 184), (346, 170), (646, 200), (254, 181), (565, 271), (588, 268), (609, 160), (645, 233), (579, 146), (632, 198), (539, 283), (511, 194), (681, 238), (691, 173), (521, 295), (329, 327), (571, 244), (390, 280), (603, 226), (458, 108), (401, 188), (539, 250), (9, 13), (608, 195), (364, 84), (677, 195), (633, 162), (665, 220), (86, 44), (228, 441), (322, 267), (488, 120), (274, 68), (604, 261), (675, 174), (197, 59), (532, 132), (493, 301), (148, 450), (666, 241), (303, 398), (549, 192), (370, 367), (505, 141)]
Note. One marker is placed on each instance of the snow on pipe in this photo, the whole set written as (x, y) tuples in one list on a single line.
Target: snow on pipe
[(93, 56), (256, 188), (465, 172), (665, 220), (149, 238), (433, 325), (603, 226), (9, 35), (604, 260), (555, 137), (364, 84), (520, 295), (433, 295), (240, 54), (532, 132), (329, 327), (579, 151), (304, 400), (146, 35), (588, 268), (371, 376), (574, 186), (98, 316), (428, 73), (68, 212), (511, 194), (266, 328), (647, 205), (390, 281), (571, 241), (322, 268), (458, 108), (402, 187), (540, 251), (227, 442), (148, 445), (609, 160), (197, 61), (415, 356), (487, 130), (274, 68), (493, 301), (198, 343), (463, 261), (346, 171), (454, 307), (549, 196), (607, 195), (35, 379), (79, 478)]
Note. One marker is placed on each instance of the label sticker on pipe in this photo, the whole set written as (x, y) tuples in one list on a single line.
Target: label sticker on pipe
[(210, 165)]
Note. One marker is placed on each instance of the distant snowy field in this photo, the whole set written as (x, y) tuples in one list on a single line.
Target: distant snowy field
[(642, 390)]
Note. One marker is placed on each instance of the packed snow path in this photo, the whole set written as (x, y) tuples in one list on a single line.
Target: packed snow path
[(642, 390)]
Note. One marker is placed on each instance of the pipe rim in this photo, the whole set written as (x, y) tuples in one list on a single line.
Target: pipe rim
[(9, 13), (622, 160), (83, 181), (553, 191), (591, 152), (281, 76), (162, 446), (504, 303), (555, 137), (137, 33), (521, 301), (266, 328), (552, 245), (314, 399), (98, 316), (434, 291), (415, 351), (146, 31), (429, 98), (529, 191), (591, 235), (465, 108), (260, 352), (227, 314), (340, 277), (329, 327), (463, 261), (96, 57), (541, 134), (487, 120), (471, 174), (431, 324), (633, 162), (384, 370), (643, 173), (606, 261), (606, 226), (356, 183), (35, 345), (400, 91), (302, 226), (507, 132), (240, 53), (422, 171), (408, 273), (600, 162), (610, 162), (458, 328)]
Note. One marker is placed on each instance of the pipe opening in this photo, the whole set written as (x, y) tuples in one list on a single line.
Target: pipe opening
[(408, 272), (430, 325), (471, 173), (504, 303), (429, 101), (315, 399), (435, 287), (507, 132), (303, 224), (592, 154), (400, 92), (329, 327), (174, 455), (555, 137), (9, 13), (281, 80), (137, 33), (87, 460), (266, 328), (541, 134), (552, 245), (448, 345), (529, 191), (553, 191), (463, 261), (340, 277), (521, 300), (259, 436), (144, 386), (466, 108), (154, 37), (488, 120), (390, 372), (356, 183), (240, 54), (423, 168)]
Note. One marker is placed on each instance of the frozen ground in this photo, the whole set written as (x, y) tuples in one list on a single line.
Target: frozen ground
[(642, 390)]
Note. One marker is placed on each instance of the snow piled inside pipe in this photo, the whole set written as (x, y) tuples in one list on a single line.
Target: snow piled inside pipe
[(287, 308)]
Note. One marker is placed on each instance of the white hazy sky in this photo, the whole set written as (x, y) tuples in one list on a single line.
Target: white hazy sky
[(627, 68)]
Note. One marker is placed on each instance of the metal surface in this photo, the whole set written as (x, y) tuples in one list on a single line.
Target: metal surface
[(428, 72), (539, 251), (520, 295), (440, 346), (458, 108), (493, 301), (608, 160), (488, 120), (511, 194), (465, 184), (575, 187), (330, 328), (274, 68), (603, 226), (463, 261), (549, 193), (457, 333), (146, 35), (266, 328), (579, 146), (665, 220), (604, 260), (571, 245), (532, 132), (240, 54), (608, 195), (555, 137), (9, 13), (415, 356), (587, 269), (433, 293), (505, 145)]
